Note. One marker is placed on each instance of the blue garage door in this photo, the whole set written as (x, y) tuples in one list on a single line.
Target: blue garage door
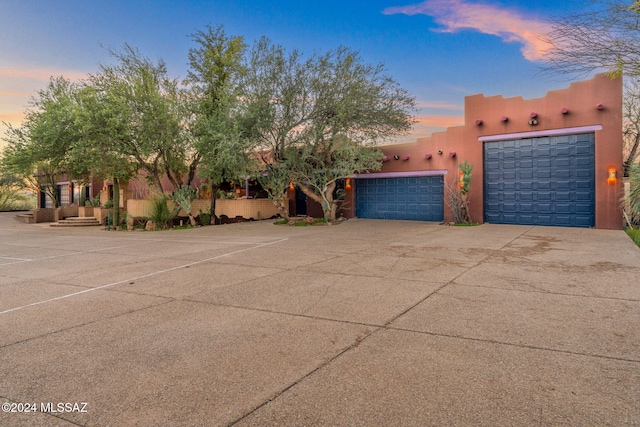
[(541, 181), (416, 198)]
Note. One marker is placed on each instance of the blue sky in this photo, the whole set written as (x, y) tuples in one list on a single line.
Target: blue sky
[(439, 50)]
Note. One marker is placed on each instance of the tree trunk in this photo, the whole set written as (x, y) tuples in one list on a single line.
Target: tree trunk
[(330, 212), (116, 203), (212, 208), (192, 220), (282, 203), (329, 207)]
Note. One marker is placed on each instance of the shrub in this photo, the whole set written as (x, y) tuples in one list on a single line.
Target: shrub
[(634, 194), (458, 196), (160, 213), (13, 200), (95, 202), (205, 218), (184, 197)]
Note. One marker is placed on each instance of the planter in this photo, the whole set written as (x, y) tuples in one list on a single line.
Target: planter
[(85, 211)]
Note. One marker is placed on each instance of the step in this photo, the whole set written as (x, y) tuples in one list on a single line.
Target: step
[(27, 218), (77, 222)]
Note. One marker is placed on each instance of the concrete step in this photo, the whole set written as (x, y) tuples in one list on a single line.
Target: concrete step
[(26, 217), (77, 222)]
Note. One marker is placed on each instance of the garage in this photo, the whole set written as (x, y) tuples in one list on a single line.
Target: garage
[(540, 181), (416, 198)]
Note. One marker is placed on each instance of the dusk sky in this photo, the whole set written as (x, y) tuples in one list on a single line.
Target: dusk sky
[(438, 50)]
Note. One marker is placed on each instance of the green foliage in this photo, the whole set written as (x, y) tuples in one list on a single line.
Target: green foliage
[(38, 151), (634, 234), (465, 180), (226, 195), (457, 194), (131, 114), (318, 118), (12, 194), (108, 204), (214, 77), (95, 202), (14, 200), (634, 194), (183, 197), (160, 213), (205, 218)]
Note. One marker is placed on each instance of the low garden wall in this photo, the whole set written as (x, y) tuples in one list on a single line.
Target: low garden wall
[(44, 215), (64, 212), (246, 208)]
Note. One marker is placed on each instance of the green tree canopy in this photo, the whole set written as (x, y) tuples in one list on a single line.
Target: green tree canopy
[(319, 118)]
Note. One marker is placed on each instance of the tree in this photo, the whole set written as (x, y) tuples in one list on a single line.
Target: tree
[(605, 35), (631, 123), (215, 69), (634, 195), (318, 120), (98, 117), (11, 196), (139, 115), (37, 151), (184, 197)]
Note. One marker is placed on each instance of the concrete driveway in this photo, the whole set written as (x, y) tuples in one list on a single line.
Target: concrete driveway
[(360, 324)]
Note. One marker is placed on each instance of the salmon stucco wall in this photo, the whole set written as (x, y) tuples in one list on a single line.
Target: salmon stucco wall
[(592, 103)]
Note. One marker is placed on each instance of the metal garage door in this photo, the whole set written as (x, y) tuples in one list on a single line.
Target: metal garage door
[(414, 198), (541, 181)]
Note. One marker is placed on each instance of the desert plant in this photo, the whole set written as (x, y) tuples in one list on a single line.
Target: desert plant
[(458, 196), (160, 213), (633, 202), (95, 202), (205, 218), (184, 198), (108, 204)]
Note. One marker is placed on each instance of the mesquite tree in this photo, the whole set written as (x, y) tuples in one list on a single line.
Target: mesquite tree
[(316, 120), (603, 35)]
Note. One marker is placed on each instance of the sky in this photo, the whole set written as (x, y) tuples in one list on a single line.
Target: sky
[(438, 50)]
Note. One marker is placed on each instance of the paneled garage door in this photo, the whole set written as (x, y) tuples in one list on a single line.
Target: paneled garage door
[(414, 198), (541, 181)]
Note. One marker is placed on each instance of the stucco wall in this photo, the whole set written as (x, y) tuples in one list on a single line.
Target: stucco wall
[(246, 208), (580, 99)]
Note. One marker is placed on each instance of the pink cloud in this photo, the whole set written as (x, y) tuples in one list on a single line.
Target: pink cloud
[(508, 24), (40, 73)]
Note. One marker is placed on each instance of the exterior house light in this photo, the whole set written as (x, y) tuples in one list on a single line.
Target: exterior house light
[(291, 187), (613, 178), (347, 185)]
